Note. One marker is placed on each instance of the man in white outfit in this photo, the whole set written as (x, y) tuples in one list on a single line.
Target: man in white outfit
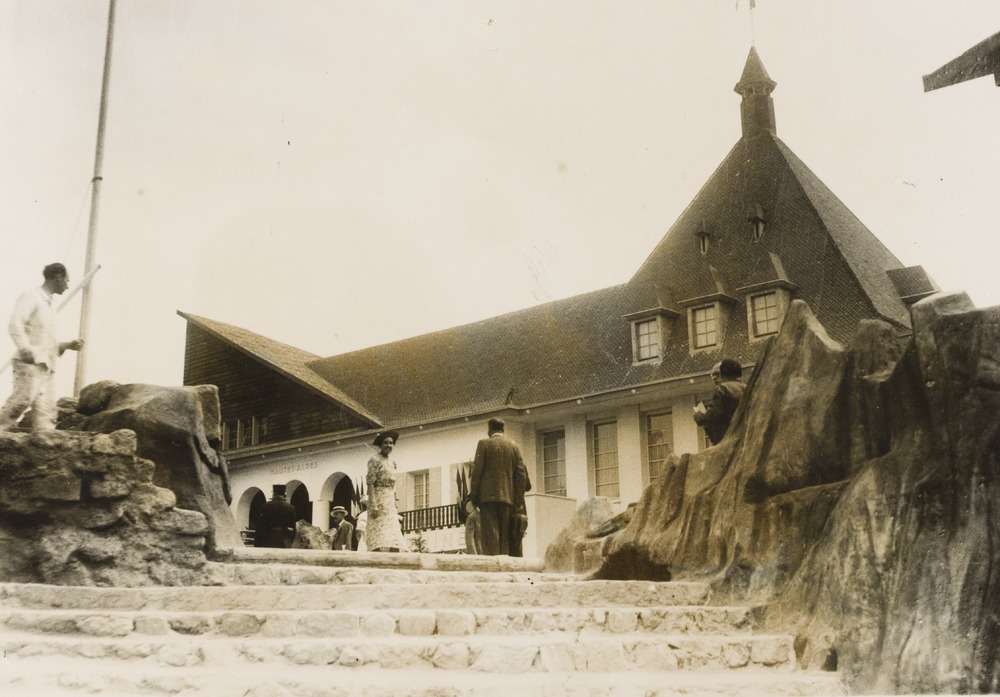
[(33, 329)]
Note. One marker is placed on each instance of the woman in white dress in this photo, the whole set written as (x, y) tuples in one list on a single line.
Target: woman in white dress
[(382, 533)]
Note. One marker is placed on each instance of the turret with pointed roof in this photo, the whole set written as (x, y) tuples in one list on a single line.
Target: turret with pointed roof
[(757, 107)]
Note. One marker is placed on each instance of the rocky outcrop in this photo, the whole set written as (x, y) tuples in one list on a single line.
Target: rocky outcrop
[(311, 537), (81, 509), (578, 545), (178, 428), (854, 495)]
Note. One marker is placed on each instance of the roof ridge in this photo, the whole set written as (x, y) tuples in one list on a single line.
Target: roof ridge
[(206, 320)]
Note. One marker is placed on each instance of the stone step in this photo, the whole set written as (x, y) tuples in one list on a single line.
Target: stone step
[(678, 619), (253, 574), (510, 655), (36, 677), (383, 560), (357, 596)]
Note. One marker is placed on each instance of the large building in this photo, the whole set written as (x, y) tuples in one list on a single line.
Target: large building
[(597, 389)]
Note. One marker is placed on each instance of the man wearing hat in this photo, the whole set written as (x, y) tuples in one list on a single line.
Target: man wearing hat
[(344, 531), (276, 525)]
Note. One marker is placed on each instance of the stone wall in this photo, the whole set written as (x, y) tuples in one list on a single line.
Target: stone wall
[(855, 497), (81, 509)]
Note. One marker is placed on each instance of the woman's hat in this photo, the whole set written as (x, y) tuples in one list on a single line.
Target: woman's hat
[(382, 436)]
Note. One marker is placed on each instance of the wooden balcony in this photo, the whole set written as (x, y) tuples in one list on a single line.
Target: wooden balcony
[(430, 518)]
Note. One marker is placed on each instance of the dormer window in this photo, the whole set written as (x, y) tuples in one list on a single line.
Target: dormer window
[(705, 326), (756, 219), (647, 340), (708, 315), (765, 316), (767, 302), (650, 331), (704, 239)]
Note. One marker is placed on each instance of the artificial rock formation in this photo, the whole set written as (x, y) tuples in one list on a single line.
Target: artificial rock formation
[(855, 496), (178, 428), (82, 509), (578, 545), (311, 537)]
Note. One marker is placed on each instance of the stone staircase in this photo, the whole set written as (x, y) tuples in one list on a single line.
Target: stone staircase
[(310, 624)]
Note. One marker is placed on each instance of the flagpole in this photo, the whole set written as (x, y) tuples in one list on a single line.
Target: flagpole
[(95, 197)]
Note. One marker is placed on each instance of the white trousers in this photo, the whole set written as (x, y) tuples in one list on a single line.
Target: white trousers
[(34, 387)]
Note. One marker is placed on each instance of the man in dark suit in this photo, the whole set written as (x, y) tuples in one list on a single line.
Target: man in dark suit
[(493, 488), (276, 525)]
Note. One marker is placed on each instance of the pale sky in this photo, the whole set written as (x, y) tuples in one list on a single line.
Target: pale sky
[(336, 175)]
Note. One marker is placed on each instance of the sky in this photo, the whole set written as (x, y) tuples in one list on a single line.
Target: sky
[(336, 175)]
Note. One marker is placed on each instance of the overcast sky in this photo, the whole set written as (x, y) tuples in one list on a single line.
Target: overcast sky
[(336, 175)]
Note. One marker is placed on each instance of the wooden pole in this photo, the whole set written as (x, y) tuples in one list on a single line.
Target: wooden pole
[(95, 197)]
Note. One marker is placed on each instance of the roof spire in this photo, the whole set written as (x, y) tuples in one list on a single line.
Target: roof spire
[(757, 107)]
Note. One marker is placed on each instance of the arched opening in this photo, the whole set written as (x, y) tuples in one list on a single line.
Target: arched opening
[(248, 513), (248, 508), (338, 490), (299, 498), (343, 495)]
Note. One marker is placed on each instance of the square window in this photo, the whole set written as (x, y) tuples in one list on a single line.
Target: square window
[(705, 326), (647, 340)]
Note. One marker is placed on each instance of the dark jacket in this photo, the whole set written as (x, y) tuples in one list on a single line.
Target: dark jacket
[(344, 537), (719, 412), (276, 525), (497, 460)]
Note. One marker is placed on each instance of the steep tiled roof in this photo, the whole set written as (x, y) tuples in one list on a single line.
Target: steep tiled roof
[(867, 257), (836, 262), (291, 362)]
